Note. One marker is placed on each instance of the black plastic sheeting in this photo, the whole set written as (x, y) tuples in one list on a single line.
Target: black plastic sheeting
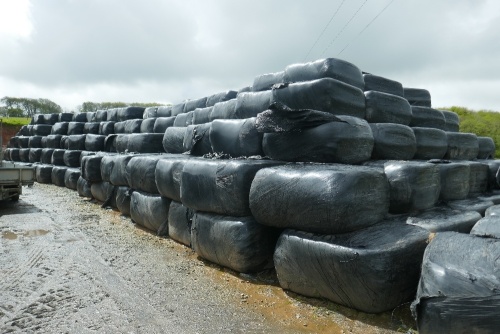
[(145, 143), (267, 81), (92, 128), (131, 126), (113, 169), (425, 117), (101, 116), (462, 146), (46, 157), (177, 109), (458, 289), (14, 154), (452, 122), (140, 173), (431, 143), (349, 141), (221, 97), (119, 127), (112, 115), (58, 157), (387, 108), (75, 142), (35, 142), (150, 211), (487, 227), (168, 176), (173, 139), (24, 154), (220, 186), (120, 142), (250, 104), (372, 270), (91, 168), (479, 177), (471, 204), (23, 141), (35, 155), (83, 188), (492, 211), (180, 219), (107, 128), (486, 148), (237, 138), (58, 174), (319, 198), (224, 110), (72, 158), (393, 142), (197, 139), (162, 123), (147, 125), (455, 179), (239, 243), (80, 117), (325, 68), (60, 128), (104, 192), (43, 173), (418, 97), (202, 115), (52, 141), (42, 129), (94, 142), (381, 84), (75, 128), (127, 113), (442, 219), (164, 111), (123, 197), (71, 178), (65, 117)]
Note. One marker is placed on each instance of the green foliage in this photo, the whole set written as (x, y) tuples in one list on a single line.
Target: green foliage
[(483, 123), (23, 106), (94, 106), (15, 121)]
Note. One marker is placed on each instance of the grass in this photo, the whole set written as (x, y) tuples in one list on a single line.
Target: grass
[(15, 121)]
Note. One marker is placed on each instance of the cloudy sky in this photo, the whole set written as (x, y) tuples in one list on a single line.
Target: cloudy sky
[(167, 51)]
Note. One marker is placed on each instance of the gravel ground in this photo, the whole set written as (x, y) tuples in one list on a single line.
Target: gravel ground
[(68, 266)]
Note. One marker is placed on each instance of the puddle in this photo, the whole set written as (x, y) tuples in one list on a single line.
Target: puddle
[(9, 235)]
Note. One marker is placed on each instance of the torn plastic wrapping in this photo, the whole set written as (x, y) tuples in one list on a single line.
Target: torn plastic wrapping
[(237, 138), (83, 188), (458, 289), (387, 108), (123, 197), (149, 210), (372, 270), (393, 141), (72, 158), (220, 186), (58, 173), (197, 139), (180, 219), (71, 178), (319, 198), (239, 243), (381, 84), (431, 143)]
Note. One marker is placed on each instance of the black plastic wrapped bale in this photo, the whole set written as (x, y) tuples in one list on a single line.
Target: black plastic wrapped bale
[(239, 243), (267, 81), (123, 197), (173, 139), (487, 227), (131, 126), (452, 121), (197, 139), (85, 154), (35, 155), (327, 95), (145, 143), (112, 115), (65, 117), (147, 125), (94, 142), (471, 204), (372, 270), (220, 186), (23, 141), (121, 142), (224, 110), (57, 157), (180, 120), (492, 211), (37, 119), (325, 68), (24, 130), (150, 211), (80, 117), (250, 104), (52, 141), (6, 154), (100, 116), (91, 168), (442, 219), (193, 104), (245, 89), (418, 97), (71, 178), (83, 188), (425, 117), (479, 177), (140, 173), (14, 154), (43, 173), (177, 109), (150, 112), (493, 173), (431, 143), (113, 169), (455, 179), (180, 219), (75, 128), (104, 192), (51, 118), (486, 148), (393, 142), (91, 117), (168, 175), (46, 157), (72, 158), (13, 142), (127, 113), (348, 140), (58, 173), (24, 154), (458, 289), (60, 128), (92, 128), (162, 123), (42, 129), (202, 115), (387, 108), (237, 138), (221, 97), (319, 198), (493, 197), (461, 146), (381, 84), (35, 142), (75, 142), (164, 111), (189, 118), (106, 128)]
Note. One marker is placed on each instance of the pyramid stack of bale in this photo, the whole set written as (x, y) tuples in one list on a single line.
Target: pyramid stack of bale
[(337, 178)]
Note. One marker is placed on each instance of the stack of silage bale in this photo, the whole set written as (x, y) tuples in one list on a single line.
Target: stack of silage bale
[(339, 176)]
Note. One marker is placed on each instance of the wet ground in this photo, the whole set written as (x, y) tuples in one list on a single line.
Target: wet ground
[(68, 266)]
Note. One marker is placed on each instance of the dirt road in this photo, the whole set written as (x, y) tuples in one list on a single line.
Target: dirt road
[(66, 265)]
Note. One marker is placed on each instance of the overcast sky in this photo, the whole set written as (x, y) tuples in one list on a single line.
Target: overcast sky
[(167, 51)]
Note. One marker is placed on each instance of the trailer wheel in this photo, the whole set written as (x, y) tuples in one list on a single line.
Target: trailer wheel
[(15, 198)]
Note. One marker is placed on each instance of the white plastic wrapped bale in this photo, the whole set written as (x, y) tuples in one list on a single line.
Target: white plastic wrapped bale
[(319, 198), (393, 142), (387, 108), (371, 270), (239, 243), (150, 211)]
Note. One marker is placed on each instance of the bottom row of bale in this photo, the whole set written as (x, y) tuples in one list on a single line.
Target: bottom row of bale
[(330, 231)]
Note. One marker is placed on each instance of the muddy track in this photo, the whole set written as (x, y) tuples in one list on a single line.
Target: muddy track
[(66, 265)]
